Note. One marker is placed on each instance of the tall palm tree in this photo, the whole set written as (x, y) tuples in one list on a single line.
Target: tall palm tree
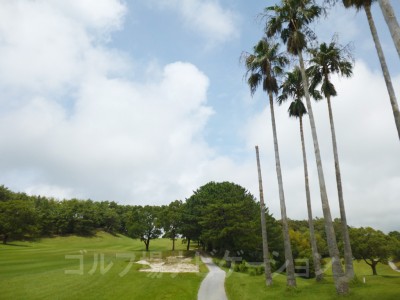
[(267, 264), (366, 4), (326, 60), (290, 21), (262, 68), (391, 21), (293, 87)]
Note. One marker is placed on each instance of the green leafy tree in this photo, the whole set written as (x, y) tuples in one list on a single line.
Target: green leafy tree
[(326, 60), (144, 224), (18, 219), (293, 87), (263, 66), (229, 217), (370, 245), (190, 227), (290, 21), (171, 220)]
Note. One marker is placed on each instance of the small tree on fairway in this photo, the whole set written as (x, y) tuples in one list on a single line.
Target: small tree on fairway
[(171, 220), (370, 245), (144, 224)]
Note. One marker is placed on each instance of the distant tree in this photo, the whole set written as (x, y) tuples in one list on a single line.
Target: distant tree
[(229, 218), (47, 212), (171, 220), (18, 220), (144, 224), (190, 227), (395, 236), (370, 245), (108, 217), (5, 194)]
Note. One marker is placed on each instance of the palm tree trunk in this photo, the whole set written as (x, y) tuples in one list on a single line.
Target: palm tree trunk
[(314, 248), (291, 279), (348, 255), (391, 21), (337, 271), (385, 70), (267, 265)]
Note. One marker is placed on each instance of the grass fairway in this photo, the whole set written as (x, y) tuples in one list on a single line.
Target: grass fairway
[(385, 286), (37, 270)]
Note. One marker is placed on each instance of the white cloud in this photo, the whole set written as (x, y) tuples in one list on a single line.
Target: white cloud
[(207, 17), (368, 152), (73, 125), (77, 127)]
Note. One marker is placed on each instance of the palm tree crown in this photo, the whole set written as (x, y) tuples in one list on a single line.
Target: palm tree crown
[(328, 59), (296, 15), (264, 65)]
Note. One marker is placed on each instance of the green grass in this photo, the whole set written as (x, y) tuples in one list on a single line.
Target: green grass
[(37, 270), (385, 286)]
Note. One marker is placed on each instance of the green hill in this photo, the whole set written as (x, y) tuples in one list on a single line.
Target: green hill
[(51, 268)]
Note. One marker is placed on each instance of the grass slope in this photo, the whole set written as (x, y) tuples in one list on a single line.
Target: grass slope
[(385, 286), (37, 270)]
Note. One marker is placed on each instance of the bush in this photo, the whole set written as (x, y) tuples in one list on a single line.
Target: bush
[(260, 270), (243, 267), (236, 267), (252, 271)]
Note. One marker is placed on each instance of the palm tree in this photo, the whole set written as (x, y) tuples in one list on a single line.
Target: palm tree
[(326, 60), (267, 265), (391, 21), (366, 4), (290, 21), (262, 68), (293, 87)]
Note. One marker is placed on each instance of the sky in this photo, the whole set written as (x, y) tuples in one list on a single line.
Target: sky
[(143, 102)]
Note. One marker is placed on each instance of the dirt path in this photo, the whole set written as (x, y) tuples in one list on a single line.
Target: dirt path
[(213, 286), (393, 266)]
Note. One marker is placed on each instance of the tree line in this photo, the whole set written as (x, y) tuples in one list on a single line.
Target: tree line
[(222, 218), (288, 26)]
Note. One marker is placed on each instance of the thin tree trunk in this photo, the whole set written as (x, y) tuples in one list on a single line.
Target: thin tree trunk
[(316, 257), (385, 70), (267, 265), (374, 272), (348, 255), (391, 21), (188, 245), (341, 283), (173, 244), (291, 279)]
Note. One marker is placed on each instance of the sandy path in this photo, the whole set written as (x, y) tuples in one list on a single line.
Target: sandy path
[(213, 286), (393, 266)]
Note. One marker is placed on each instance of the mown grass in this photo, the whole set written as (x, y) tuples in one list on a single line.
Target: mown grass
[(385, 286), (39, 270)]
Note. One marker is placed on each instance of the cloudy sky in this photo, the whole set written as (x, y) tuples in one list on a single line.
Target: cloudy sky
[(142, 102)]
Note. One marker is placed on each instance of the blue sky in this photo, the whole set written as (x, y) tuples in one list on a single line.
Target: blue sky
[(142, 102)]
